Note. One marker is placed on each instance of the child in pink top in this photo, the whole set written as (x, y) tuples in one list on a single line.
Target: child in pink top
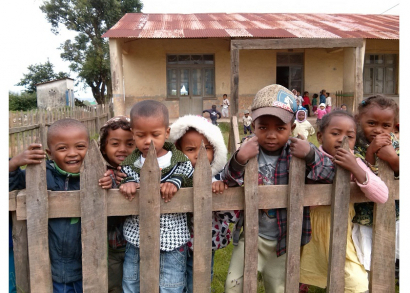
[(320, 113)]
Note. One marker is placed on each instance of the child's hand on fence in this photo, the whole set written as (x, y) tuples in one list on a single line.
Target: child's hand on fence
[(168, 191), (34, 154), (248, 150), (388, 154), (106, 181), (299, 147), (119, 176), (346, 160), (219, 187), (377, 143), (129, 190)]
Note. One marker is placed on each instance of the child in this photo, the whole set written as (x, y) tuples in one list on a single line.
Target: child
[(343, 107), (225, 105), (302, 125), (314, 260), (150, 122), (328, 103), (247, 120), (299, 107), (306, 102), (314, 102), (187, 133), (213, 113), (322, 98), (376, 118), (273, 113), (320, 113), (116, 143), (67, 141), (397, 131)]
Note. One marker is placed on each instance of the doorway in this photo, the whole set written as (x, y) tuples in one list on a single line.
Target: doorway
[(289, 71)]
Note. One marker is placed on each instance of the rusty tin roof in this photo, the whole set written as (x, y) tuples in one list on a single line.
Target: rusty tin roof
[(255, 25)]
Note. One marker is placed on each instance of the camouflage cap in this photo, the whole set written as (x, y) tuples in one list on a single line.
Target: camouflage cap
[(274, 100)]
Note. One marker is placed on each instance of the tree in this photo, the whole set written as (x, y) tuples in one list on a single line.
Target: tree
[(89, 53), (22, 102), (39, 73)]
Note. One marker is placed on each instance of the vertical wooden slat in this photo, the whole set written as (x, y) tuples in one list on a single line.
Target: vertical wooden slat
[(382, 268), (93, 222), (149, 223), (43, 135), (338, 229), (251, 227), (202, 223), (20, 248), (234, 80), (296, 193), (37, 228)]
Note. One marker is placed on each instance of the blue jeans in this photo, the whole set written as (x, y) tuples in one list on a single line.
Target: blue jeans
[(172, 277), (73, 287), (190, 268)]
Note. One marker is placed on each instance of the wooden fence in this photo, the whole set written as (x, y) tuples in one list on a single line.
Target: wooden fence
[(24, 127), (33, 207)]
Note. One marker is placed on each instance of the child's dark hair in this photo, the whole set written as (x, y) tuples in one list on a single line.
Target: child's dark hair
[(225, 95), (305, 92), (381, 101), (213, 106), (328, 117), (315, 95), (59, 125), (150, 108), (112, 124)]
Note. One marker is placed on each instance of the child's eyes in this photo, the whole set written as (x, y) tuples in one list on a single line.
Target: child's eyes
[(81, 146), (131, 144), (335, 133), (281, 128), (61, 148), (262, 127)]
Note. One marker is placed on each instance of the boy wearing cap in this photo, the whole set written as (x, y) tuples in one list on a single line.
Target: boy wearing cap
[(273, 114), (247, 121)]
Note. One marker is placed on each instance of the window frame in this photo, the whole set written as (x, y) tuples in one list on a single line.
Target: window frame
[(375, 66)]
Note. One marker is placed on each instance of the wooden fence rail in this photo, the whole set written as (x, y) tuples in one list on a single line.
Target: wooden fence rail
[(94, 205)]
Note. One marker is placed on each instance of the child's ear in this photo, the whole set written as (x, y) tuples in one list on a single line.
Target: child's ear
[(319, 137), (293, 126), (48, 153), (167, 132)]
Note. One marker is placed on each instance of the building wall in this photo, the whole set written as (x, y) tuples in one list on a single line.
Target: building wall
[(53, 94)]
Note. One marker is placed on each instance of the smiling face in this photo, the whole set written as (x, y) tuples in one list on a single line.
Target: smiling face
[(331, 138), (301, 115), (272, 132), (67, 148), (147, 129), (119, 144), (190, 144), (376, 120)]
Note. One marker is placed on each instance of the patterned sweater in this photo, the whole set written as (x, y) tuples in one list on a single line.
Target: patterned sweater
[(173, 227)]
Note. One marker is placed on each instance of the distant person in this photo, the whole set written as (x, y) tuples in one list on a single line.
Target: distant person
[(225, 106), (343, 107), (306, 102), (213, 113), (247, 120), (320, 113), (303, 126), (328, 103), (314, 102), (322, 98)]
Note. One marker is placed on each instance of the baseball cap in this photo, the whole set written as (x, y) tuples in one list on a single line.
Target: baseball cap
[(246, 112), (275, 100)]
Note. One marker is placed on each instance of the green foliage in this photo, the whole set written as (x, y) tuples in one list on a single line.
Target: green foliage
[(39, 73), (88, 52), (22, 102), (79, 103)]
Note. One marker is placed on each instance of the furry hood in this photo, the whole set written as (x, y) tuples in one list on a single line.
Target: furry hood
[(210, 131)]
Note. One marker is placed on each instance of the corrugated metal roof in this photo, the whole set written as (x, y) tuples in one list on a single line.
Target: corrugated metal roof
[(255, 25)]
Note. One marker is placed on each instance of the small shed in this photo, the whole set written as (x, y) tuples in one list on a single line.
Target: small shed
[(55, 93)]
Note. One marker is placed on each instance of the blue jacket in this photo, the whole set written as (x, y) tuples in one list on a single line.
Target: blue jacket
[(64, 234), (322, 99)]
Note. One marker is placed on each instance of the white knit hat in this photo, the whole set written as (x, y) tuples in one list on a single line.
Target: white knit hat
[(210, 131)]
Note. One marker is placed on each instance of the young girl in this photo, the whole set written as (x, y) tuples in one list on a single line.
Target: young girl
[(314, 102), (116, 143), (187, 133), (302, 125), (320, 113), (315, 254), (376, 119)]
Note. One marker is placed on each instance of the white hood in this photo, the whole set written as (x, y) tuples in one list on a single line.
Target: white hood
[(210, 131)]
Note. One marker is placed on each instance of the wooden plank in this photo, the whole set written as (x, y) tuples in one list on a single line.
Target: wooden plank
[(20, 249), (13, 200), (23, 128), (382, 269), (338, 229), (93, 222), (251, 227), (296, 192), (66, 204), (358, 85), (43, 136), (234, 80), (37, 228), (202, 223), (150, 198), (236, 136)]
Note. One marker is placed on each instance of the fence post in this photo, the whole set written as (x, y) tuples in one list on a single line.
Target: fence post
[(93, 222), (382, 268), (37, 228), (233, 139), (20, 249), (202, 223), (150, 223), (338, 229), (251, 228)]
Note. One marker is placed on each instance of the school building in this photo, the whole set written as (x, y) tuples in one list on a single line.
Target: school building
[(188, 61)]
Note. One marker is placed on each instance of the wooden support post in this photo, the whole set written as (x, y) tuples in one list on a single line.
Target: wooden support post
[(234, 80), (37, 228), (382, 268), (251, 226), (296, 194), (93, 222), (338, 229), (202, 223), (20, 249), (150, 223), (234, 138)]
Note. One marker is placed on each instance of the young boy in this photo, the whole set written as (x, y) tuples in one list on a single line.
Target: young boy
[(225, 105), (273, 113), (247, 120), (68, 141), (150, 122), (213, 114)]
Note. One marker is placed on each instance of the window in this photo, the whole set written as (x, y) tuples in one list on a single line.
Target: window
[(190, 75), (379, 75)]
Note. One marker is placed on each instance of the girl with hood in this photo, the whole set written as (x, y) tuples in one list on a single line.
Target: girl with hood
[(302, 125), (187, 133)]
